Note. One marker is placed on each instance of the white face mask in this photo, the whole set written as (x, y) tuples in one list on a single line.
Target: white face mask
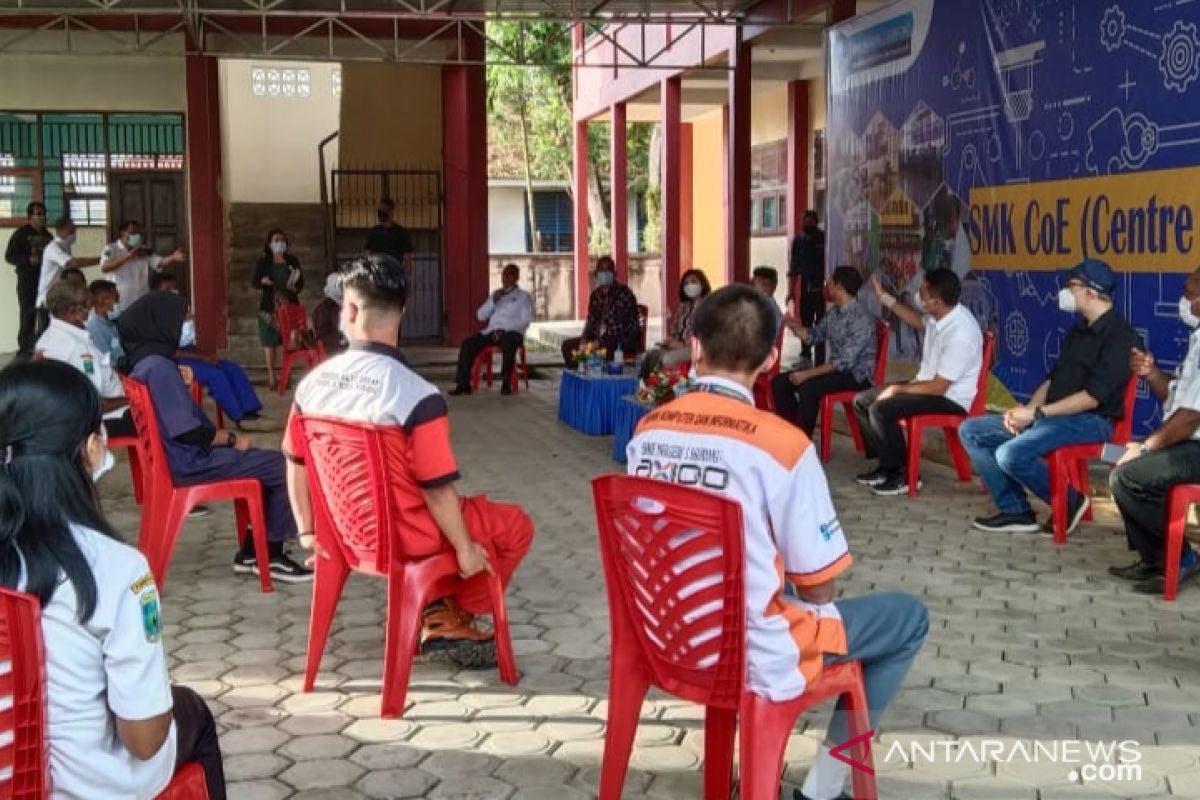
[(114, 312), (692, 290), (278, 247), (187, 336), (67, 241), (1066, 301), (605, 278), (106, 465), (918, 303), (1185, 313)]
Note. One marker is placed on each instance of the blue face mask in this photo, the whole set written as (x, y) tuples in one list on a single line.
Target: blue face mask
[(187, 336), (605, 278), (135, 240), (114, 312)]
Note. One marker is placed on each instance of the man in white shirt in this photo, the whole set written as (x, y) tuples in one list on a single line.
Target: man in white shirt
[(507, 313), (56, 258), (66, 339), (127, 262), (1167, 458), (951, 358)]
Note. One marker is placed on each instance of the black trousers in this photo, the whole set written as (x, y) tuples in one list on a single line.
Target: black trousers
[(1140, 489), (27, 286), (801, 404), (196, 739), (883, 438), (472, 346), (120, 426), (812, 309)]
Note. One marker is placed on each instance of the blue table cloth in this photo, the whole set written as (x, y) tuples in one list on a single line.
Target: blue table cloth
[(629, 414), (588, 403)]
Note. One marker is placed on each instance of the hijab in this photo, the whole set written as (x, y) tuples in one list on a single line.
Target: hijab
[(151, 327)]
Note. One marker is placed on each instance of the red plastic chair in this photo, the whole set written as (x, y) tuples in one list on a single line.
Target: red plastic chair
[(483, 365), (949, 424), (198, 399), (24, 756), (883, 337), (657, 540), (1069, 466), (1178, 502), (130, 443), (763, 398), (358, 528), (292, 318), (168, 504)]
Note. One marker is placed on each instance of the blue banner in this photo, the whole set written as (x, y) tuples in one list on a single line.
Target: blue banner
[(1010, 139)]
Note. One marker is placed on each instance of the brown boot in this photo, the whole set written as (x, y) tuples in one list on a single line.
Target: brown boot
[(449, 634)]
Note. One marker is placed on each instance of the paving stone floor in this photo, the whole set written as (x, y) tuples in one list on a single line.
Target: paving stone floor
[(1028, 642)]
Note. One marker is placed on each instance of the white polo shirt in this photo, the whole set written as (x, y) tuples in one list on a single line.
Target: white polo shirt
[(953, 349), (70, 345), (112, 666), (133, 277), (1185, 388), (54, 261), (512, 312)]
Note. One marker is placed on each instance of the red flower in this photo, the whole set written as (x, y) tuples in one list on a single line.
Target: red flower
[(652, 380)]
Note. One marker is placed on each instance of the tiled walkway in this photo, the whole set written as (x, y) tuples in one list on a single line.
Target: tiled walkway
[(1028, 642)]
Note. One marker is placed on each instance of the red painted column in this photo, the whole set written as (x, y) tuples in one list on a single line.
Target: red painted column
[(206, 213), (619, 191), (686, 260), (737, 221), (583, 288), (840, 11), (464, 169), (671, 183)]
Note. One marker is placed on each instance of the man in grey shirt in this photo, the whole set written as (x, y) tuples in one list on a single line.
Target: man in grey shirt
[(848, 331)]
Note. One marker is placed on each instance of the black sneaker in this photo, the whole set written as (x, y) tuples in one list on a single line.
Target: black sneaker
[(1075, 512), (459, 391), (245, 563), (1138, 571), (1189, 568), (284, 569), (894, 485), (1007, 523), (506, 388), (872, 478)]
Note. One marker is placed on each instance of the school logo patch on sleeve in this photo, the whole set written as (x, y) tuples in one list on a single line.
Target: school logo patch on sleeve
[(142, 584), (151, 618)]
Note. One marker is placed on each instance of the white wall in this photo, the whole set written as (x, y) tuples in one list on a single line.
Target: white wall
[(269, 144), (506, 219)]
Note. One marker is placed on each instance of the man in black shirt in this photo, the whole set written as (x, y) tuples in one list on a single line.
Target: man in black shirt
[(24, 252), (388, 237), (806, 280), (1077, 404)]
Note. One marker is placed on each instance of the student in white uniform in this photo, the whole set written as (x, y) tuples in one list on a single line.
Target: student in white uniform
[(55, 259), (127, 262), (116, 727), (66, 339)]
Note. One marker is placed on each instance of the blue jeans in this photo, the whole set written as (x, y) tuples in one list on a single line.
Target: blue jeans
[(228, 384), (884, 632), (1011, 464)]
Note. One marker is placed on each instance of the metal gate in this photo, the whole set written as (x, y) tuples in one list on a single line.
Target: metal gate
[(354, 197)]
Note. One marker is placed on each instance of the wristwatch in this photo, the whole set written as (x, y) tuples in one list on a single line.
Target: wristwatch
[(1143, 449), (230, 438), (1038, 414)]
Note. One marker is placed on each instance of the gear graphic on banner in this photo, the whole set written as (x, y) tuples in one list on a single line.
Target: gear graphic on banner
[(1180, 59)]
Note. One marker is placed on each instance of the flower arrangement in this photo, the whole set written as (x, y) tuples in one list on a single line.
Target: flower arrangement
[(662, 386), (589, 356)]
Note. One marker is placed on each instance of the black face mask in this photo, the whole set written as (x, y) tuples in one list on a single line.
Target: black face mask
[(383, 215), (810, 229)]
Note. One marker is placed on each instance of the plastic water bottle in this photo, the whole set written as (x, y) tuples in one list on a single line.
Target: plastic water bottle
[(618, 358)]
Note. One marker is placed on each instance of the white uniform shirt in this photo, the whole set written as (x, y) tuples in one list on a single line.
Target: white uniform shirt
[(133, 277), (717, 440), (1185, 388), (70, 345), (953, 349), (512, 312), (54, 261), (112, 666)]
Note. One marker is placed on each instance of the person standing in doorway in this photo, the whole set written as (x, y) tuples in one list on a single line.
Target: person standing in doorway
[(806, 280), (389, 237), (127, 262), (278, 276), (24, 252)]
